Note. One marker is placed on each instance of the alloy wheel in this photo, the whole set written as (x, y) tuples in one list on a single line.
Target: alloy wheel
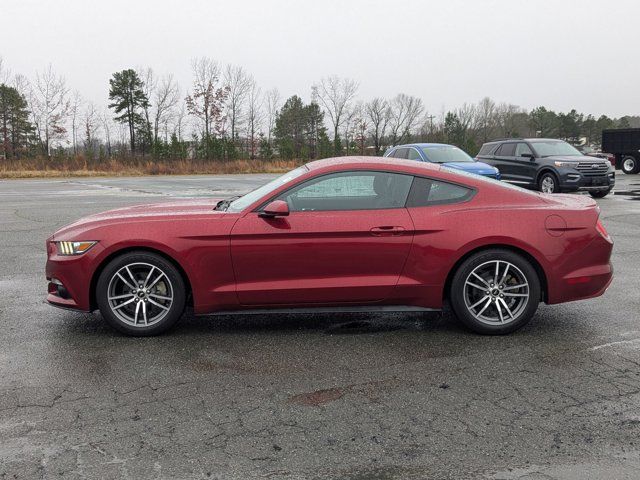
[(496, 292), (629, 165), (140, 294), (548, 185)]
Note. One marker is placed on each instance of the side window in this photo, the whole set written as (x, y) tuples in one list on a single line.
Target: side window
[(487, 148), (522, 148), (361, 190), (425, 192), (506, 150), (414, 155), (399, 153)]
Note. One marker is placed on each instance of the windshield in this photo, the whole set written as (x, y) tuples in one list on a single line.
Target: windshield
[(243, 202), (446, 154), (553, 148)]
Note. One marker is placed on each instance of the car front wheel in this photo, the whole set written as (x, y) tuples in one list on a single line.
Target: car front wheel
[(140, 294), (548, 183), (495, 292)]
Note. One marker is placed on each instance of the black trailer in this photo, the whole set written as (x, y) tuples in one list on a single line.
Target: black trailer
[(624, 143)]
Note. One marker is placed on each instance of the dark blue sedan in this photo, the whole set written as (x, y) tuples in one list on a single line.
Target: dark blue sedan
[(447, 155)]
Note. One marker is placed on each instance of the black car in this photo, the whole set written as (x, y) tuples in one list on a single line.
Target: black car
[(548, 165)]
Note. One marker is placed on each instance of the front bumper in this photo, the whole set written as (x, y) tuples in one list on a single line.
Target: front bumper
[(70, 277), (572, 180)]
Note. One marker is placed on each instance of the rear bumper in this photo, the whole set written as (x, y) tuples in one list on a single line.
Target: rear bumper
[(576, 281)]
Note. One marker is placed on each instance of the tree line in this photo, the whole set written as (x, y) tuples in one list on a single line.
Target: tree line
[(225, 115)]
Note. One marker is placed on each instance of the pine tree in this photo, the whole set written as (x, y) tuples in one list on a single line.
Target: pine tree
[(127, 96)]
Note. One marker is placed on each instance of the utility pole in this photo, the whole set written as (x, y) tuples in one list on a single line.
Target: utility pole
[(430, 118)]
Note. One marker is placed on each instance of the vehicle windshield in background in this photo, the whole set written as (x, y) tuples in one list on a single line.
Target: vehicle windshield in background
[(246, 200), (552, 148), (446, 154)]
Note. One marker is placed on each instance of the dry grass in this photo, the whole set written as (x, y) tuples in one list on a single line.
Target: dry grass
[(79, 167)]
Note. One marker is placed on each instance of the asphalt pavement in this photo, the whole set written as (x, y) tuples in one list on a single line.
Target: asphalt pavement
[(324, 396)]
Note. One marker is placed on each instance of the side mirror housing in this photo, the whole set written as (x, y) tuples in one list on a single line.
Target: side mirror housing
[(277, 208), (528, 155)]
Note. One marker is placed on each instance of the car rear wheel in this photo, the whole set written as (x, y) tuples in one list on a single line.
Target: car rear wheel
[(548, 183), (630, 165), (495, 292), (140, 294)]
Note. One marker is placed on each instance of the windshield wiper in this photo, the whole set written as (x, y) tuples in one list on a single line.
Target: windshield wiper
[(224, 204)]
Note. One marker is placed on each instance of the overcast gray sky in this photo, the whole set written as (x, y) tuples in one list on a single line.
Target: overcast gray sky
[(562, 54)]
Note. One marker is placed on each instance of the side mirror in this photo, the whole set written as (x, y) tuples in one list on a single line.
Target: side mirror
[(277, 208), (528, 155)]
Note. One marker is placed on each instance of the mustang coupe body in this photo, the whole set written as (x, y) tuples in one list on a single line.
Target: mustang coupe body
[(347, 233)]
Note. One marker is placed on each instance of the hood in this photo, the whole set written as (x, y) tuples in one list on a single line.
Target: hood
[(478, 168), (152, 211), (574, 158)]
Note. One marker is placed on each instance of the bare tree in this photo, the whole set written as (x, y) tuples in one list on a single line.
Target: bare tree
[(238, 83), (208, 97), (105, 118), (74, 109), (335, 95), (255, 116), (165, 99), (377, 113), (5, 73), (90, 125), (405, 111), (272, 106), (486, 118), (50, 107)]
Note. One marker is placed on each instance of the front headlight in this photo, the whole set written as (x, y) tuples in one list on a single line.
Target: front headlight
[(565, 164), (74, 248)]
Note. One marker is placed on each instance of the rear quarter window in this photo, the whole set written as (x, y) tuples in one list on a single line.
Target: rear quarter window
[(425, 192), (487, 149)]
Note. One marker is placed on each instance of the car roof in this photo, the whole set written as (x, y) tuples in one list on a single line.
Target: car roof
[(533, 140), (360, 162), (422, 145)]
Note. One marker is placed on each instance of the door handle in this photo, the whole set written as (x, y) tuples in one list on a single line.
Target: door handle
[(387, 230)]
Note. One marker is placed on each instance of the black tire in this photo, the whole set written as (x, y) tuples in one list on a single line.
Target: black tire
[(551, 178), (526, 307), (600, 193), (630, 165), (170, 286)]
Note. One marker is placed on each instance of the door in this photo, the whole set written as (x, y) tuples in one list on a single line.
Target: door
[(345, 240), (524, 167), (505, 160)]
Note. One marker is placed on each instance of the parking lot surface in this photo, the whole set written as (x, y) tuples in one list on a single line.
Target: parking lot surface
[(349, 396)]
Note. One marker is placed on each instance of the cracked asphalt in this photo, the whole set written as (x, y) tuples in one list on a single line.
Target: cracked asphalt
[(350, 396)]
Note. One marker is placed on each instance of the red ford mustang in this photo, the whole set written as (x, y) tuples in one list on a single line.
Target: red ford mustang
[(339, 234)]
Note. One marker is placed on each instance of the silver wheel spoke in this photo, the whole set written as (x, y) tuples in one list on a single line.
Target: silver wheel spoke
[(499, 311), (483, 299), (506, 307), (495, 275), (516, 294), (161, 297), (515, 287), (120, 297), (484, 308), (474, 285), (135, 282), (156, 280), (146, 280), (504, 275), (158, 304), (480, 278), (125, 281), (135, 316), (124, 303), (144, 312)]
